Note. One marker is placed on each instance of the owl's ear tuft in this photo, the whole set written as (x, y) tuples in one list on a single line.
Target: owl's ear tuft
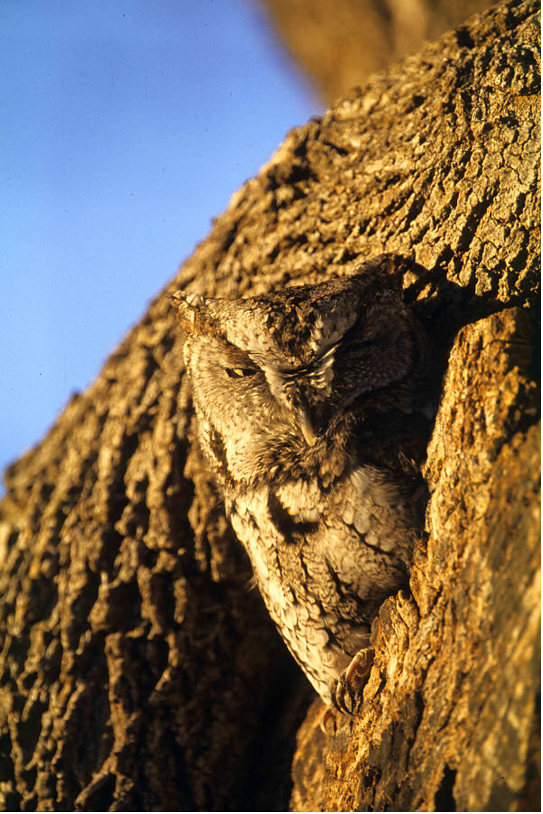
[(192, 313)]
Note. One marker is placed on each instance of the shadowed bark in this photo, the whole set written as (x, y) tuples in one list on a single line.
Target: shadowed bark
[(138, 670)]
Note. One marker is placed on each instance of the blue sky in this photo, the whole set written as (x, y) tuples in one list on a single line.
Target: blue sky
[(126, 126)]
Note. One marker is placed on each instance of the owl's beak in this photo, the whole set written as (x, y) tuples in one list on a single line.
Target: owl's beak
[(306, 426)]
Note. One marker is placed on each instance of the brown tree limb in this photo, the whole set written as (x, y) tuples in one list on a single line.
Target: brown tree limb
[(138, 671), (340, 43)]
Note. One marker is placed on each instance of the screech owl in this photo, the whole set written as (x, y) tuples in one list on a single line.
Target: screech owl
[(307, 411)]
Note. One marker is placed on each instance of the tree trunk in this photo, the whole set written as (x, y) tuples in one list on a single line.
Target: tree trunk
[(138, 670)]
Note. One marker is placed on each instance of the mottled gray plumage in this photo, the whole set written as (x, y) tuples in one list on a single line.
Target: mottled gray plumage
[(306, 402)]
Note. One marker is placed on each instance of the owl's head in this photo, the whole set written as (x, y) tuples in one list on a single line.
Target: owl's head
[(285, 370)]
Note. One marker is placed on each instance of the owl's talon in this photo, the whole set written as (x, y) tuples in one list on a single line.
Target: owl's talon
[(328, 722), (346, 693)]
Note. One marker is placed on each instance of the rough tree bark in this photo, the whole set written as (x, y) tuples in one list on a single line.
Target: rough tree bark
[(138, 671), (339, 43)]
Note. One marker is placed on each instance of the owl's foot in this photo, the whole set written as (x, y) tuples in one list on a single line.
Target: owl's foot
[(346, 693), (346, 690)]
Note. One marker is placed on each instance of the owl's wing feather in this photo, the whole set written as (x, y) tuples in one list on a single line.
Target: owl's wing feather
[(373, 505)]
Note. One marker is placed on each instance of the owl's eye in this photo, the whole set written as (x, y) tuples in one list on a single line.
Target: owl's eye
[(240, 372)]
